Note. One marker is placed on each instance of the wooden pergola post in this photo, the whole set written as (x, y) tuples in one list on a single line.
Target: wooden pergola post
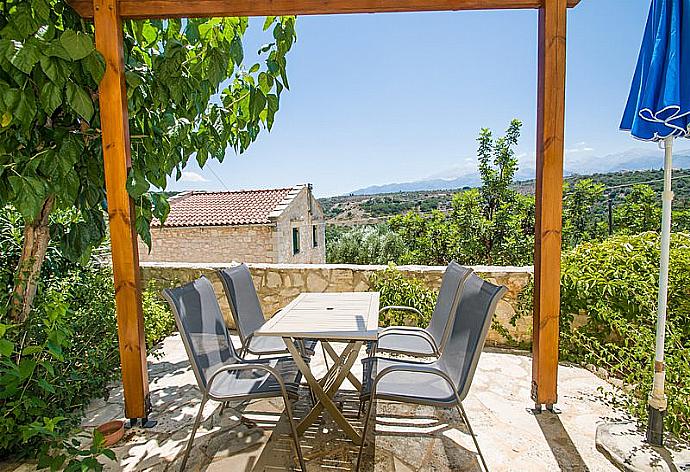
[(117, 161), (108, 15), (548, 200)]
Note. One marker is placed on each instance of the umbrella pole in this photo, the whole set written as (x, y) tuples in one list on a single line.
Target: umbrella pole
[(657, 398)]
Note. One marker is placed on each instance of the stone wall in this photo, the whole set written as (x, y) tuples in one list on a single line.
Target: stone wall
[(210, 244), (278, 284)]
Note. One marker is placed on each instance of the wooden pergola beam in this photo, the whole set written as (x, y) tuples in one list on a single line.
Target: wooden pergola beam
[(140, 9), (548, 200), (112, 96), (108, 16)]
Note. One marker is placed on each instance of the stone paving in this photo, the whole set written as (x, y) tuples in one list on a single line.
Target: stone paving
[(252, 436)]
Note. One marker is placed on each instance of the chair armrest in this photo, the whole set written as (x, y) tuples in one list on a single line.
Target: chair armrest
[(420, 334), (400, 308), (418, 368), (241, 367), (401, 329)]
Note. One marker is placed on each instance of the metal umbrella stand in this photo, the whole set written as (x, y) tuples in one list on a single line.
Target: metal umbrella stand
[(658, 109)]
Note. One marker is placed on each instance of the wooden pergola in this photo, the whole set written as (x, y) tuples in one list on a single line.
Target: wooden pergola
[(108, 16)]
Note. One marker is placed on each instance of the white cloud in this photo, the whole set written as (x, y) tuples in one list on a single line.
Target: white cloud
[(188, 176), (579, 147)]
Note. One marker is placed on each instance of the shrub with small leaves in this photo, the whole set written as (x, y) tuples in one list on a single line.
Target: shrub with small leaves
[(397, 289), (62, 356), (613, 286), (158, 319)]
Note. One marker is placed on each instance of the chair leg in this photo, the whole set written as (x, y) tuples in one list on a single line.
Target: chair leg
[(372, 400), (461, 409), (293, 429), (197, 421)]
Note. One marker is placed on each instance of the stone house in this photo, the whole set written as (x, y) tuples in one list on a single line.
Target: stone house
[(283, 225)]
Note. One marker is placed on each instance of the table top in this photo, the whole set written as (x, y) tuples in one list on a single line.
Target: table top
[(346, 316)]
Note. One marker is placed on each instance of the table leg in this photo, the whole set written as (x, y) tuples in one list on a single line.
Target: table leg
[(332, 387), (350, 376), (324, 396), (339, 361)]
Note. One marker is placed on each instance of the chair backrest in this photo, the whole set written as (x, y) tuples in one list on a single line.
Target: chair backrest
[(472, 321), (243, 300), (202, 328), (441, 323)]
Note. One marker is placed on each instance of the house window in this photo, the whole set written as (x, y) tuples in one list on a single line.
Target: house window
[(295, 241), (315, 235)]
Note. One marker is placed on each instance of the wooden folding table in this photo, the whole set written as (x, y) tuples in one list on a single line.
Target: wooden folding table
[(343, 317)]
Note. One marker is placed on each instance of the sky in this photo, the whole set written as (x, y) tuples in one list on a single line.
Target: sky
[(399, 97)]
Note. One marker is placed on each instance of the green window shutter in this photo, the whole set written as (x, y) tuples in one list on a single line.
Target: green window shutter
[(295, 241)]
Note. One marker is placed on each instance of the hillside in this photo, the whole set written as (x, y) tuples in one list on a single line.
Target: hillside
[(361, 208), (631, 160)]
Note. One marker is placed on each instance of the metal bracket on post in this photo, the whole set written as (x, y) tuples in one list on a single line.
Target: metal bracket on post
[(145, 422)]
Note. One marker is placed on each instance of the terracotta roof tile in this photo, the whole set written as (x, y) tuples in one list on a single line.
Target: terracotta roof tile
[(243, 207)]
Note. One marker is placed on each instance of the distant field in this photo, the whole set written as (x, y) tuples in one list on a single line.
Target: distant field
[(362, 208)]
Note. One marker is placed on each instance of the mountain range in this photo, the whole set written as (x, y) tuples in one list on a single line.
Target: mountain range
[(633, 159)]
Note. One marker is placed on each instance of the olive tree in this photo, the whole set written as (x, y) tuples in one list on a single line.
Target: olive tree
[(190, 94)]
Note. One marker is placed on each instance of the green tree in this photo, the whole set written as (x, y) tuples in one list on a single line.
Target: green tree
[(364, 245), (492, 224), (639, 212), (181, 106), (583, 214)]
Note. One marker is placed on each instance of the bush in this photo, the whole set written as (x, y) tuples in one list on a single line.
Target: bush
[(615, 284), (63, 355), (399, 290), (158, 320)]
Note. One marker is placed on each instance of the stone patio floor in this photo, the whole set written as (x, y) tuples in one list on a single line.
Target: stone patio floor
[(252, 436)]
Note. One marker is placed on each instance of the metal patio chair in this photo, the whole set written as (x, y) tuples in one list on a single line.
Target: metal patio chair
[(445, 382), (429, 341), (248, 315), (221, 375)]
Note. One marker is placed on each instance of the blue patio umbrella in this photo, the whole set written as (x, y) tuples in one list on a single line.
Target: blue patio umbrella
[(658, 109)]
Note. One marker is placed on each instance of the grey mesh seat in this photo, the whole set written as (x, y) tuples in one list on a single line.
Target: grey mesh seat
[(246, 311), (446, 381), (429, 341), (220, 373)]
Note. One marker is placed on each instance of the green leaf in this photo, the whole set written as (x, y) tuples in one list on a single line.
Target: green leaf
[(202, 157), (133, 79), (25, 56), (28, 350), (51, 97), (236, 52), (143, 230), (25, 109), (269, 21), (28, 195), (77, 44), (41, 9), (137, 185), (50, 67), (6, 348), (26, 368), (5, 119), (43, 383), (95, 65), (79, 100), (56, 49), (217, 65), (23, 21)]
